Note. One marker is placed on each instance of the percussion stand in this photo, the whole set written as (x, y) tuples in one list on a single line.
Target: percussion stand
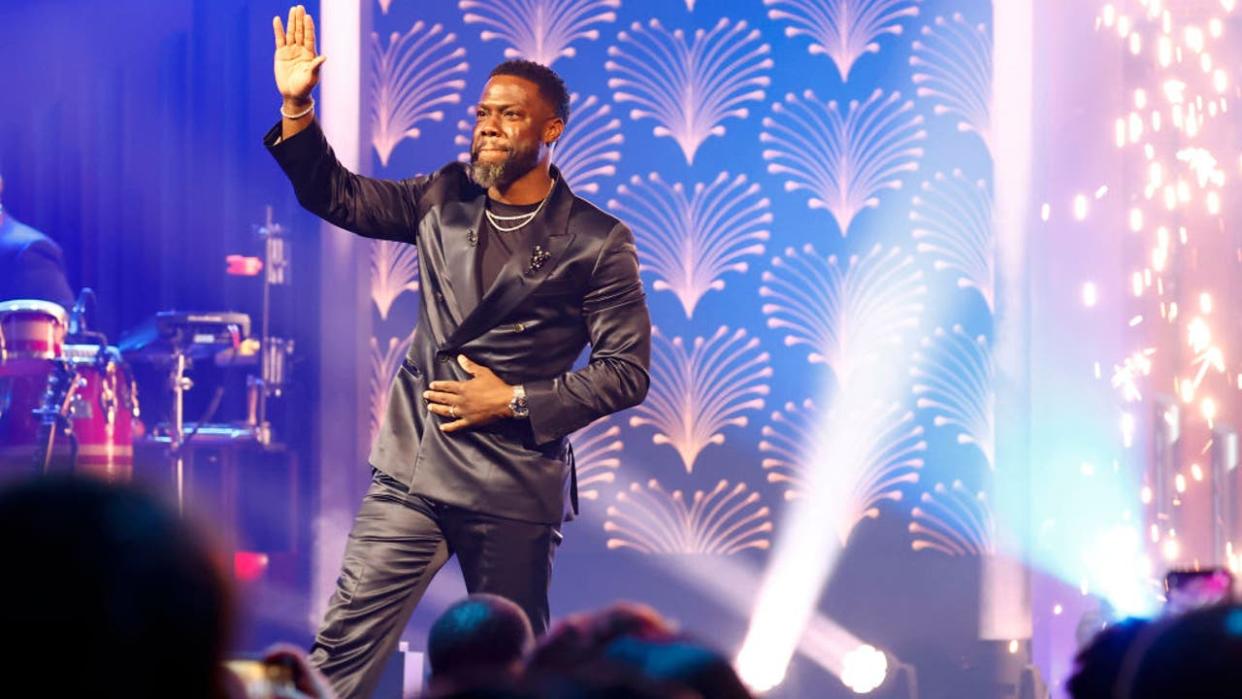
[(179, 383), (62, 384), (274, 351)]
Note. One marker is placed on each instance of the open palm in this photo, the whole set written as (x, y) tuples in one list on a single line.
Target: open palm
[(296, 64)]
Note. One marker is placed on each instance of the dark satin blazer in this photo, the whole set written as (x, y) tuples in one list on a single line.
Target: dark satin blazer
[(577, 284)]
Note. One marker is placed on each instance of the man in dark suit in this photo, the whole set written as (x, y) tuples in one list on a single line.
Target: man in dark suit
[(518, 275), (31, 264)]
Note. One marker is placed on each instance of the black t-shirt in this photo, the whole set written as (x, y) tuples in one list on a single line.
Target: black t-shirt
[(496, 247)]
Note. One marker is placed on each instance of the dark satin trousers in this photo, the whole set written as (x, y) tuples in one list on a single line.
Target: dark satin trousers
[(398, 543)]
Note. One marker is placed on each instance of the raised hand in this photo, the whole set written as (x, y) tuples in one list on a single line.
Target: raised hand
[(296, 64)]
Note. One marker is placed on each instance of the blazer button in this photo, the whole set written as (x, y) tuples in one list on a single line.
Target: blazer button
[(444, 356), (439, 297)]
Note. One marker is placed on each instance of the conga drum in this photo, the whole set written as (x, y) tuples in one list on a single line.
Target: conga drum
[(31, 330), (104, 410), (32, 337), (103, 407)]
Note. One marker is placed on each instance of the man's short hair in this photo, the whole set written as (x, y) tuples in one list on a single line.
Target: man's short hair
[(480, 632), (551, 87)]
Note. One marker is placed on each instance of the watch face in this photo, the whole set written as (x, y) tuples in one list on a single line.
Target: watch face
[(517, 404)]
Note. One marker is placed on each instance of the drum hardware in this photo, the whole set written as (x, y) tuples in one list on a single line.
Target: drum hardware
[(275, 351), (77, 314), (85, 347), (107, 395), (80, 407), (177, 338), (78, 332), (179, 383), (254, 401), (212, 406), (54, 412)]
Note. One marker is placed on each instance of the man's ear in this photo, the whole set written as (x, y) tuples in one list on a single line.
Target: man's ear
[(552, 132)]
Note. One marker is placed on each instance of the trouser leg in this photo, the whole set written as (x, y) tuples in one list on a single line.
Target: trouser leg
[(395, 548), (506, 557)]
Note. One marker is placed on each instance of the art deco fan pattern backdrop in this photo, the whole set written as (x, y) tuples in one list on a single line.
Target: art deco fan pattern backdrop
[(809, 185)]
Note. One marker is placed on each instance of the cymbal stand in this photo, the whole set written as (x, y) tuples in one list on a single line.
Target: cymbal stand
[(275, 351)]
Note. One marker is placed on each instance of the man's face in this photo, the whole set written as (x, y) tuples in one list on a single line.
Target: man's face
[(513, 124)]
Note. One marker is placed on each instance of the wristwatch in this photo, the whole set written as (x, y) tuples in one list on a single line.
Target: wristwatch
[(517, 404)]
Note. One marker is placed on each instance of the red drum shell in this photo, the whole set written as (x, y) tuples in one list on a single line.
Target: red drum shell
[(103, 412), (31, 329)]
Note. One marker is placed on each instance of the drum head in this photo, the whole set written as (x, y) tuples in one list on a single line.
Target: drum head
[(34, 306), (90, 353)]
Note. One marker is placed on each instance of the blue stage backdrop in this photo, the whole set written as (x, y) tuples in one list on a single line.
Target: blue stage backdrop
[(130, 133)]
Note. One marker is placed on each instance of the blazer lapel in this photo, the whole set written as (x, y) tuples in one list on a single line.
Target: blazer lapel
[(524, 271), (461, 246)]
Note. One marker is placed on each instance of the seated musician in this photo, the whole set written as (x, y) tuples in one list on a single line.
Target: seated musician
[(31, 264)]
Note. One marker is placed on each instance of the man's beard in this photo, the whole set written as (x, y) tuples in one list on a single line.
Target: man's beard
[(519, 162)]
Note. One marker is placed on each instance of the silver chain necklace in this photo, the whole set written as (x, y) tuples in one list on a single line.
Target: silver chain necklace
[(495, 220)]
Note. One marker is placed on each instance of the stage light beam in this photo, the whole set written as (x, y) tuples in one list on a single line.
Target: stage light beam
[(864, 669)]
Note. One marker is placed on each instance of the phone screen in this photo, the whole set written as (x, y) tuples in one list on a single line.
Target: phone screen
[(261, 680), (1191, 589)]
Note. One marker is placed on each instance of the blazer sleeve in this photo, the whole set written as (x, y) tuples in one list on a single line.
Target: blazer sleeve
[(619, 329), (370, 207)]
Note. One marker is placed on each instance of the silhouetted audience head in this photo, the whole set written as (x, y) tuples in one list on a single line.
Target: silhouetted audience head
[(1197, 654), (604, 680), (681, 662), (477, 643), (582, 637), (1098, 665), (628, 650), (108, 593)]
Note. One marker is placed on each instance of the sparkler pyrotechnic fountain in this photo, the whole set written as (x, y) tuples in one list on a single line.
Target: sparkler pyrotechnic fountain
[(1176, 139), (1145, 245)]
